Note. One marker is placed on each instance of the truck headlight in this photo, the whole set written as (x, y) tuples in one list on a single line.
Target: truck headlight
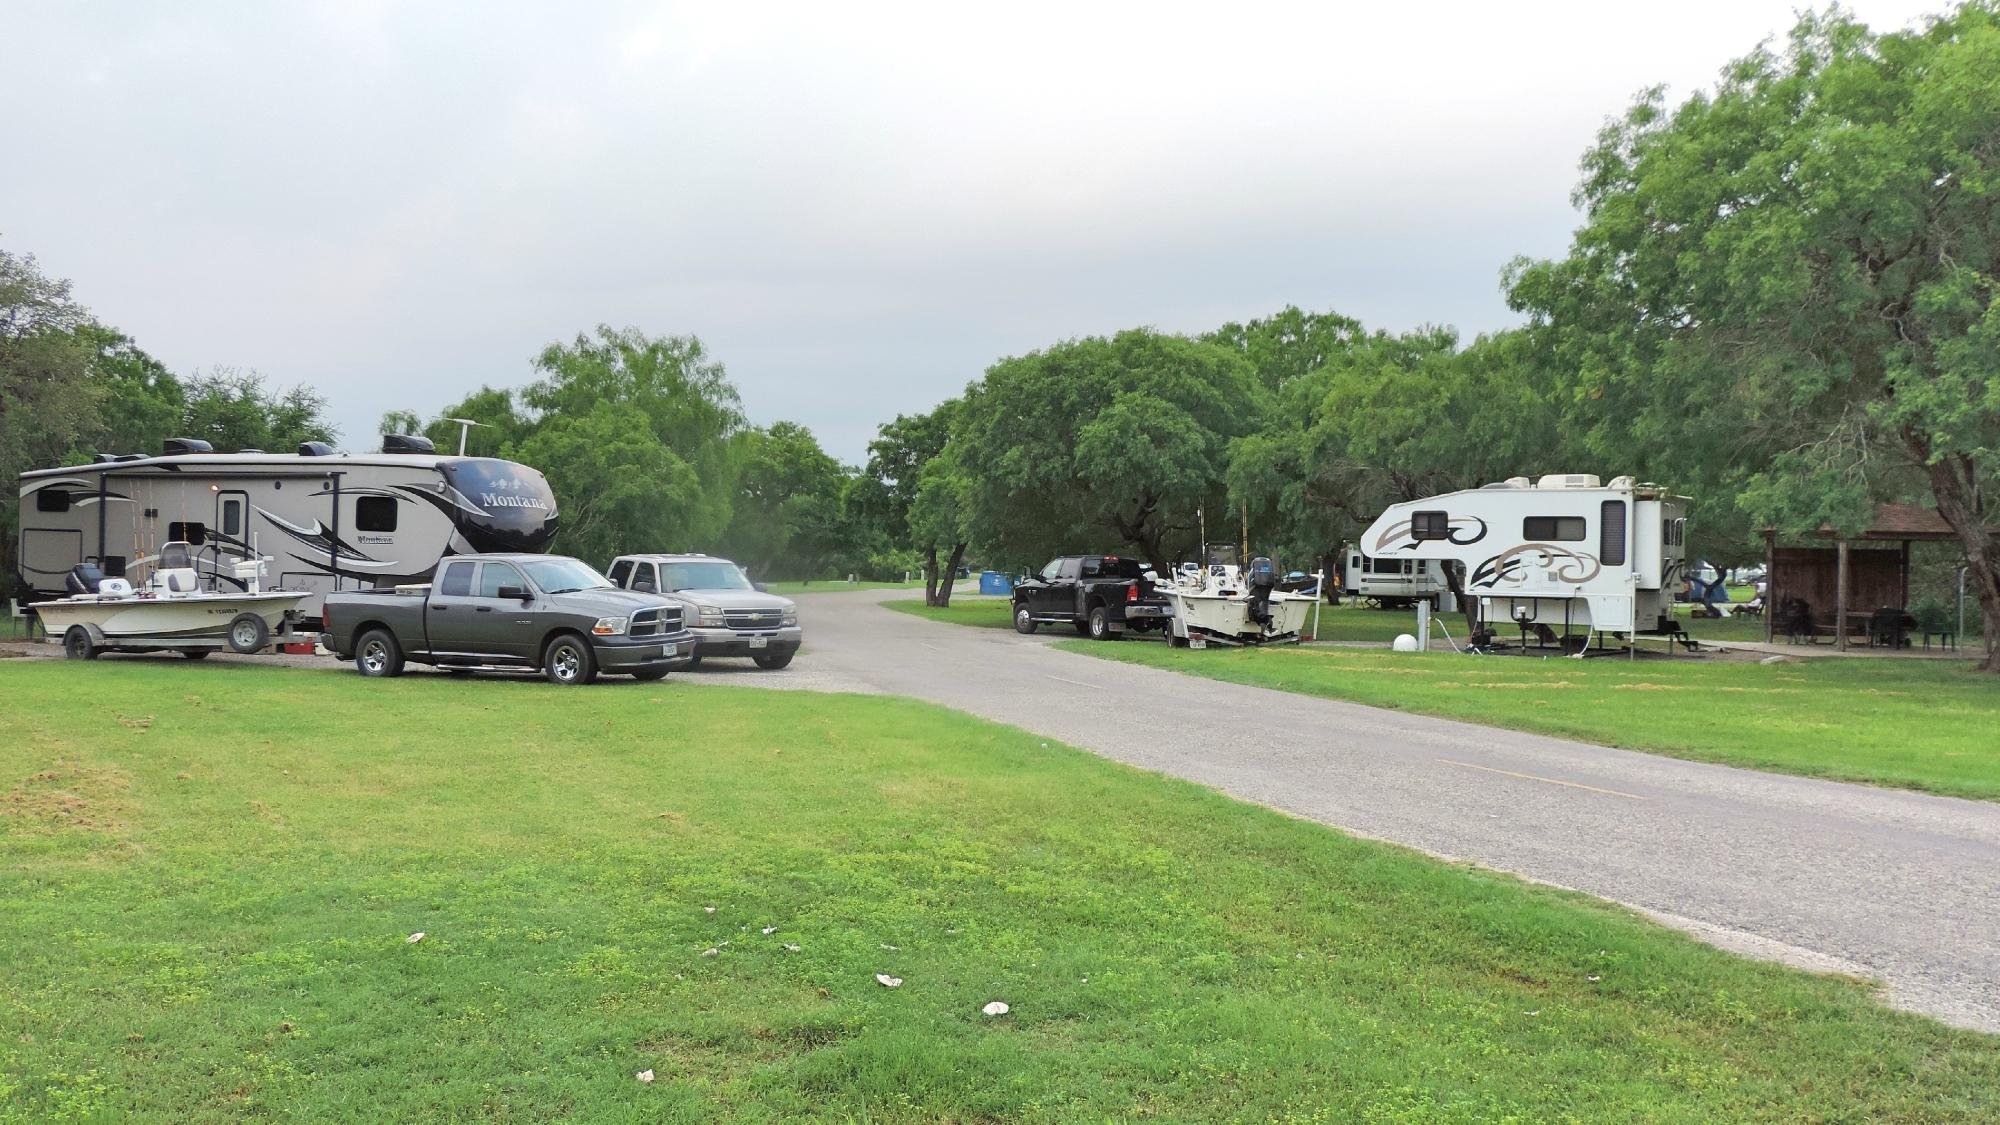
[(709, 617), (609, 627), (791, 617)]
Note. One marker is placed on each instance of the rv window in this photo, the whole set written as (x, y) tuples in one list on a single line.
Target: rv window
[(492, 576), (457, 581), (1672, 531), (375, 513), (52, 500), (1611, 533), (1430, 525), (232, 517), (621, 571), (194, 534), (1554, 529)]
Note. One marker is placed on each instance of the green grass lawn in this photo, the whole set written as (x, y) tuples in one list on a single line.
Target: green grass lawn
[(211, 874), (1915, 724), (984, 612)]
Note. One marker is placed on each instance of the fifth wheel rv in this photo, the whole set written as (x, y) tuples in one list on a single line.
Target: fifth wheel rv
[(329, 521), (1565, 552)]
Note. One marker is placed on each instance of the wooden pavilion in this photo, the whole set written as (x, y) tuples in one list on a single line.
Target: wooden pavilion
[(1844, 584)]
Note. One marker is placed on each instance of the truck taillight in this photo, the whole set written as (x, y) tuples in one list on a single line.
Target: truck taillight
[(1132, 592), (326, 617)]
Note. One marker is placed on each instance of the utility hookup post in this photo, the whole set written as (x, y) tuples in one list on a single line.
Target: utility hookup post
[(1423, 625)]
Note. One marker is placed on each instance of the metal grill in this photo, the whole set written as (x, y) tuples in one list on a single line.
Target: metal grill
[(651, 622), (752, 618)]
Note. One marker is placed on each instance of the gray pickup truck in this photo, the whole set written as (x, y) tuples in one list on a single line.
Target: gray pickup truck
[(511, 612), (730, 615)]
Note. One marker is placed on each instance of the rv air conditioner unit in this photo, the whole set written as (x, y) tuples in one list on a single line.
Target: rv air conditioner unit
[(407, 443), (104, 459), (182, 446), (1569, 480), (315, 449)]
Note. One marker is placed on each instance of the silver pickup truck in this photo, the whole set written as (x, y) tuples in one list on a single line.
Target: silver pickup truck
[(511, 612), (730, 615)]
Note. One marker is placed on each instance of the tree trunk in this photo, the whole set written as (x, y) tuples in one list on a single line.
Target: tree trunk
[(1455, 579), (1952, 482), (950, 575), (931, 576)]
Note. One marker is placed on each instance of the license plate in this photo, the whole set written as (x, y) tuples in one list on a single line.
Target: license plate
[(670, 650), (760, 642), (1197, 641)]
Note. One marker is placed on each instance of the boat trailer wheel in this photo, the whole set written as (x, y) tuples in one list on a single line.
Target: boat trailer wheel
[(248, 633), (77, 644)]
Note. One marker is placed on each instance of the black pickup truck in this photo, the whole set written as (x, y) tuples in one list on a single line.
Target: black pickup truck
[(1102, 596), (541, 613)]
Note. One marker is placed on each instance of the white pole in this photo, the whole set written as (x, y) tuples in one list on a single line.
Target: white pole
[(1423, 625), (1319, 590)]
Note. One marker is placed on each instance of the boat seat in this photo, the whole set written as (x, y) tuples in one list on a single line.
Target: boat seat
[(180, 580), (114, 588)]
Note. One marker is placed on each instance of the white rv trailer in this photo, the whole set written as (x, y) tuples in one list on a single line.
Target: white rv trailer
[(1566, 552), (329, 521), (1391, 581)]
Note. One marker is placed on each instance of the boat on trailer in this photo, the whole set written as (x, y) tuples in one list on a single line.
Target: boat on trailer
[(1230, 605), (173, 611)]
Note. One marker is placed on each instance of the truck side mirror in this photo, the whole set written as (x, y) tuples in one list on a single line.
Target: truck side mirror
[(518, 593)]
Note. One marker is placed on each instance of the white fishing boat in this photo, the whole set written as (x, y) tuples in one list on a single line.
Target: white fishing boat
[(1226, 604), (171, 611)]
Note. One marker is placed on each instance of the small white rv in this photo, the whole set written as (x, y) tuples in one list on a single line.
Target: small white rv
[(1566, 552), (329, 521), (1393, 583)]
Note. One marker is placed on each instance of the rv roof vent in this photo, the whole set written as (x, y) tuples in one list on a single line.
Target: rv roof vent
[(1519, 482), (1622, 483), (249, 451), (131, 457), (407, 443), (181, 446), (1568, 480), (315, 449), (103, 458), (1510, 482)]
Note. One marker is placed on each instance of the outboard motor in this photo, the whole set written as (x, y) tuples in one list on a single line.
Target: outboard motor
[(85, 577), (1260, 580)]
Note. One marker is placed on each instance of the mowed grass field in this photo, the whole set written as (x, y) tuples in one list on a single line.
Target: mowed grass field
[(212, 875), (1930, 725)]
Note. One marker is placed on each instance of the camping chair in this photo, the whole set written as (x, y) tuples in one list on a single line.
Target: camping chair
[(1796, 620)]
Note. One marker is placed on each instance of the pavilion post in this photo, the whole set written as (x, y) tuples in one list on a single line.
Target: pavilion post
[(1840, 599), (1770, 583), (1905, 603)]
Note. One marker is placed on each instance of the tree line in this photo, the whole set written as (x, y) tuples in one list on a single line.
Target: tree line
[(1779, 301)]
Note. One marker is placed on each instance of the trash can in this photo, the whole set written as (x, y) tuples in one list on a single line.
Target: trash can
[(994, 582)]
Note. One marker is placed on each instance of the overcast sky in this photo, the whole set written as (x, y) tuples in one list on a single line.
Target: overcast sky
[(858, 207)]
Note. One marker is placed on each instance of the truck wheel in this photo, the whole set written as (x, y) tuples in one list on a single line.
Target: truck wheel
[(1100, 624), (196, 653), (248, 633), (378, 655), (1082, 627), (772, 661), (77, 644), (1023, 623), (568, 662), (694, 662), (650, 675)]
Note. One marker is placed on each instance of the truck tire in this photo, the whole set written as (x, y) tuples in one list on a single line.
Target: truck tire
[(772, 661), (650, 675), (1023, 623), (77, 644), (377, 655), (1100, 624), (1082, 627), (196, 653), (569, 662), (248, 633)]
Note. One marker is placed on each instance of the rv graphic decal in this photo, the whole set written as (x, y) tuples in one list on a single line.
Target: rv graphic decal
[(1558, 564), (1464, 530), (320, 540), (496, 500)]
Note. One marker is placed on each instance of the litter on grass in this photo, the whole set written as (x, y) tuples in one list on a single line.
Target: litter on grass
[(996, 1008), (644, 1076), (415, 938), (887, 981)]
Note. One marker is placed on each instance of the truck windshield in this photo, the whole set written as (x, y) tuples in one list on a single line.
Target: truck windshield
[(563, 576), (716, 575)]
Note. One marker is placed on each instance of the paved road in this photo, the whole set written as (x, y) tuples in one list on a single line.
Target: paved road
[(1898, 886)]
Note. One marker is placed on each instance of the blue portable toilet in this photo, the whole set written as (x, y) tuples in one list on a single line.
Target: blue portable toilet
[(994, 582)]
